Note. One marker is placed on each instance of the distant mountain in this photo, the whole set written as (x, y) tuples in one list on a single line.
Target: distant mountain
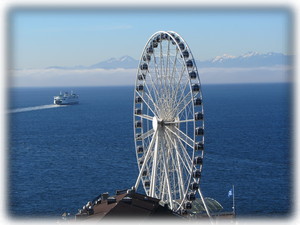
[(67, 68), (125, 62), (249, 59)]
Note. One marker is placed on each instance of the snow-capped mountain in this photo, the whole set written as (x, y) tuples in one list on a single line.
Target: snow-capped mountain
[(249, 59), (222, 58)]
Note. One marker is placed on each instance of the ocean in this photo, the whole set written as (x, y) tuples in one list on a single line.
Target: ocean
[(59, 158)]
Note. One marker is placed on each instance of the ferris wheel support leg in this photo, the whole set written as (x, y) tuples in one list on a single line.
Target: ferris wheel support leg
[(145, 160), (206, 209), (153, 177), (167, 180)]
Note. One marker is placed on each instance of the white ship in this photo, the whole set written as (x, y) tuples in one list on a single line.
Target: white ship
[(66, 99)]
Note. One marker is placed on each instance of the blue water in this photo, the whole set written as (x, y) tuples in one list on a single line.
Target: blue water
[(60, 158)]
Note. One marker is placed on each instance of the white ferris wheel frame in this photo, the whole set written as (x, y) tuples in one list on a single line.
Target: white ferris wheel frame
[(163, 130)]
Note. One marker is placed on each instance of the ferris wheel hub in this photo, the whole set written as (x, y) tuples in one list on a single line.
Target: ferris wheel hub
[(156, 122)]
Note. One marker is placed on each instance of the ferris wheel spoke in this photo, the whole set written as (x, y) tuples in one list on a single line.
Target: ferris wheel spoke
[(161, 187), (155, 64), (172, 163), (147, 134), (180, 121), (184, 156), (157, 69), (154, 167), (176, 65), (185, 162), (178, 105), (153, 110), (186, 139), (157, 60), (148, 154), (151, 99), (144, 116), (161, 60), (177, 99), (183, 92), (165, 80), (153, 85), (170, 74), (178, 166), (169, 77), (183, 69), (182, 99), (165, 165), (167, 61), (184, 107), (159, 182), (175, 62), (156, 108), (174, 71)]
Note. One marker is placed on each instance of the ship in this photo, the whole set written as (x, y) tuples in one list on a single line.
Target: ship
[(66, 99)]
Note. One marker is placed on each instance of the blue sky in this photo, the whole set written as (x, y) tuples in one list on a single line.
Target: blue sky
[(41, 38)]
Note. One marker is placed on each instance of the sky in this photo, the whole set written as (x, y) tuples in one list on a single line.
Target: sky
[(43, 37)]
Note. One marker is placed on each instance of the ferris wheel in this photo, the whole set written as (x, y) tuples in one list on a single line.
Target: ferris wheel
[(169, 122)]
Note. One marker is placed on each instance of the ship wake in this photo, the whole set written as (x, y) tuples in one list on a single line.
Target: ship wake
[(40, 107)]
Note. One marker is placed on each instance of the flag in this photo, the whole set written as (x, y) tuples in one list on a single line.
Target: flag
[(230, 192)]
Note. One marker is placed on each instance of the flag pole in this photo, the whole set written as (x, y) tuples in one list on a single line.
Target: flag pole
[(233, 206)]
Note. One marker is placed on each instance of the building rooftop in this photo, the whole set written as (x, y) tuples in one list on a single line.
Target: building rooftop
[(124, 204)]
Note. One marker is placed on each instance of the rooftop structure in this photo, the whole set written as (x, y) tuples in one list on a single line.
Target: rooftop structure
[(124, 204)]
